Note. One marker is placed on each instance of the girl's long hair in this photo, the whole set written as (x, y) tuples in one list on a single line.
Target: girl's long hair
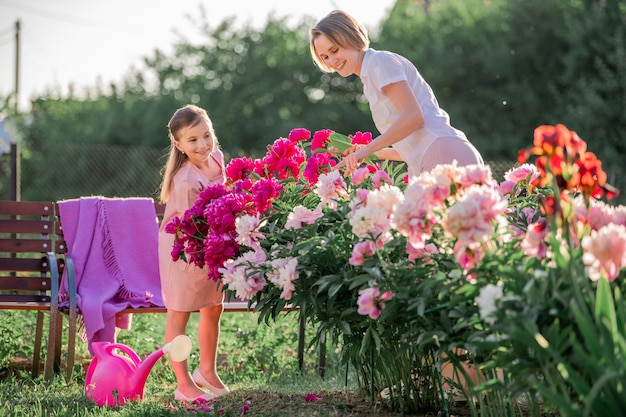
[(185, 117)]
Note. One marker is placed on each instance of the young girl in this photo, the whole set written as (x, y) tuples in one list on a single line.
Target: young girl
[(413, 127), (195, 161)]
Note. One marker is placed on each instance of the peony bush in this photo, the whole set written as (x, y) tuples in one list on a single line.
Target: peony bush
[(446, 286)]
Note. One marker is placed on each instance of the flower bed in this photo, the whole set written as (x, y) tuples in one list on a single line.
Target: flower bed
[(450, 281)]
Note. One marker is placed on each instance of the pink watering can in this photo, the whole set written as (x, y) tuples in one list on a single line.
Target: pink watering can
[(113, 379)]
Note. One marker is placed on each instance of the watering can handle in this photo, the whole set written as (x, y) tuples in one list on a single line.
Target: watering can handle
[(131, 353)]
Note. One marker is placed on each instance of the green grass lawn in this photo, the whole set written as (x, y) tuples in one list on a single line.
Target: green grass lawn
[(257, 361)]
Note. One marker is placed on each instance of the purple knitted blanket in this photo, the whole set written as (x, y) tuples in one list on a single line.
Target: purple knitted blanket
[(113, 242)]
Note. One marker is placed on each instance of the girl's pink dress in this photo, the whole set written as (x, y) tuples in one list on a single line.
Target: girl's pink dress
[(185, 287)]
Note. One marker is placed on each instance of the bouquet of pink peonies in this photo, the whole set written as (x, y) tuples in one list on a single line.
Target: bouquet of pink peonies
[(222, 230)]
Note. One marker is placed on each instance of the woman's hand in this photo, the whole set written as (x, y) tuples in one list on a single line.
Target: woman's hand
[(354, 156), (352, 159)]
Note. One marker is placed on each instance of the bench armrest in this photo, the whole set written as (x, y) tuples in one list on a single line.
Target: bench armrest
[(72, 315)]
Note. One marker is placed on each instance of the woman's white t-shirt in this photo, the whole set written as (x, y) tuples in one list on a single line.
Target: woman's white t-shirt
[(381, 68)]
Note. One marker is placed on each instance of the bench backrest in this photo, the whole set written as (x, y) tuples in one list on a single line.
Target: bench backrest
[(27, 236)]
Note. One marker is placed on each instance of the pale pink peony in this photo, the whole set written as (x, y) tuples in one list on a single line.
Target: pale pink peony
[(436, 184), (597, 215), (465, 221), (370, 303), (422, 253), (619, 215), (534, 244), (472, 221), (235, 274), (380, 178), (331, 188), (283, 274), (369, 221), (522, 172), (415, 215), (468, 254), (444, 175), (247, 227), (362, 250), (506, 187), (385, 197), (302, 215), (359, 175), (476, 174), (604, 252), (473, 216), (373, 218)]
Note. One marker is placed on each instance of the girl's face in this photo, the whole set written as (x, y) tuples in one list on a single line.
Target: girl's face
[(196, 142), (344, 61)]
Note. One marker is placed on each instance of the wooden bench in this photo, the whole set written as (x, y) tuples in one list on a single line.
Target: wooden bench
[(33, 256), (230, 306), (30, 270)]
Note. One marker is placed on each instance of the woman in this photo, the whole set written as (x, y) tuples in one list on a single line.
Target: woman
[(413, 127)]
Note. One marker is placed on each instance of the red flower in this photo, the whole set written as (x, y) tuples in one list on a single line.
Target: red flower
[(310, 398), (320, 139), (318, 163), (360, 138), (284, 158), (239, 169), (264, 192), (523, 155), (299, 134), (548, 205), (589, 177)]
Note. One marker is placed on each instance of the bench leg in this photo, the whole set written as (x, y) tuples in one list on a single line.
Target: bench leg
[(58, 344), (52, 343), (71, 344), (37, 351)]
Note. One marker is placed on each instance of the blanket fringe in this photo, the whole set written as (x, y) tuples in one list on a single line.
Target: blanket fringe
[(112, 265)]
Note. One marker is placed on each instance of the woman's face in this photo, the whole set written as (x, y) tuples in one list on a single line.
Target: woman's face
[(344, 61), (196, 142)]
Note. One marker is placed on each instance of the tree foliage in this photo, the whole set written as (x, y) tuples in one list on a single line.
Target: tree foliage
[(499, 67)]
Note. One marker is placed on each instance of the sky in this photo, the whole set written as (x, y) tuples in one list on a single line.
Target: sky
[(87, 42)]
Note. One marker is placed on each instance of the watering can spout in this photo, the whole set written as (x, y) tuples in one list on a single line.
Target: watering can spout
[(178, 349)]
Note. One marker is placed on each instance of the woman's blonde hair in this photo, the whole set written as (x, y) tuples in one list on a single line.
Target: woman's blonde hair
[(185, 117), (341, 29)]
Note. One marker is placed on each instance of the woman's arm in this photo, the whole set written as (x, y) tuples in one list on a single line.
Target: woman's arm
[(411, 118), (388, 153)]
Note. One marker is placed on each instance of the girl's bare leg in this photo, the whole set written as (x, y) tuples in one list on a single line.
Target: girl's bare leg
[(176, 324), (208, 339)]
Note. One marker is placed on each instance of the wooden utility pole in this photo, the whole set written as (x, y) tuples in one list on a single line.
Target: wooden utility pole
[(15, 146), (17, 65)]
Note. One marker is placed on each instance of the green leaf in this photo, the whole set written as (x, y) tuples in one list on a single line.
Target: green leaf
[(605, 308), (345, 327), (339, 141), (365, 344), (332, 291)]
